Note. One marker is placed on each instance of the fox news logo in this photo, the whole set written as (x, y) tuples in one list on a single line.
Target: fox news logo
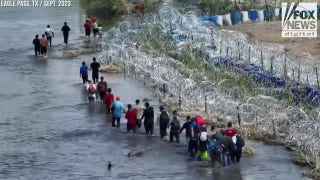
[(300, 20)]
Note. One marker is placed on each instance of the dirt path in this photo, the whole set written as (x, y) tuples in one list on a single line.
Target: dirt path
[(300, 49)]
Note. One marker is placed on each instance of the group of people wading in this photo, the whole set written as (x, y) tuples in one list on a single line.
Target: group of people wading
[(40, 45), (224, 146)]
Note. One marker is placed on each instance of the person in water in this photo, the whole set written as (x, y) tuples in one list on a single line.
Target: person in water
[(148, 115), (95, 66), (131, 116), (102, 88), (65, 30), (43, 44), (186, 126), (36, 43), (117, 109), (87, 28), (139, 108), (50, 34), (108, 100), (84, 72), (163, 120), (100, 31), (175, 127), (95, 28), (193, 143), (92, 89)]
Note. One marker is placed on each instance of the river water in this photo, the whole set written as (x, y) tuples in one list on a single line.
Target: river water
[(48, 131)]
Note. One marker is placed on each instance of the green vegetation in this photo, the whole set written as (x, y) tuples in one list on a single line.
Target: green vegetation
[(237, 84), (113, 7), (216, 6)]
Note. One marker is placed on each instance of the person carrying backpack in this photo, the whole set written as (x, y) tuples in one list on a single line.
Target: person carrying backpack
[(102, 88), (175, 127), (203, 144), (91, 87), (164, 120), (238, 144), (216, 149)]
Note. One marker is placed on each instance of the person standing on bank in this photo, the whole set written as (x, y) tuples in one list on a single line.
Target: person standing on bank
[(49, 33), (94, 67), (36, 43), (65, 29)]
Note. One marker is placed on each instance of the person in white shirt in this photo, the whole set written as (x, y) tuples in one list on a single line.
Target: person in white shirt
[(92, 89), (50, 34)]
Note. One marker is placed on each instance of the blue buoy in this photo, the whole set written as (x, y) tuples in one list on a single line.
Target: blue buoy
[(236, 17), (253, 15)]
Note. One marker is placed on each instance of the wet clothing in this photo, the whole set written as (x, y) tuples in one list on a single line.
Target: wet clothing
[(131, 116), (235, 153), (36, 43), (186, 126), (95, 28), (226, 156), (43, 44), (91, 95), (108, 101), (193, 143), (102, 88), (65, 29), (117, 107), (139, 109), (87, 28), (148, 115), (164, 121), (95, 71), (175, 129), (84, 73), (49, 33)]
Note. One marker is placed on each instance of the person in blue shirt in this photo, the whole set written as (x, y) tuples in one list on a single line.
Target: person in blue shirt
[(117, 109), (84, 72)]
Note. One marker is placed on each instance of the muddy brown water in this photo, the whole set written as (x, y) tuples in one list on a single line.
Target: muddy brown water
[(49, 131)]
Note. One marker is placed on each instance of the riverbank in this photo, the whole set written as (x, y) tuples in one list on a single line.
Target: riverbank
[(305, 50)]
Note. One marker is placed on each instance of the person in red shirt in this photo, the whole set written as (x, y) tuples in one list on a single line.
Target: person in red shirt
[(108, 100), (230, 131), (131, 116), (87, 28)]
